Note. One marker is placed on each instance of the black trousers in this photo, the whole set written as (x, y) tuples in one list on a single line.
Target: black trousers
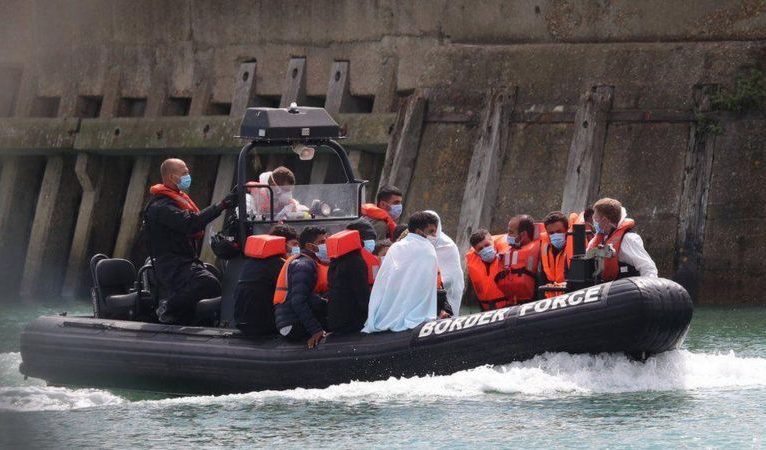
[(191, 284)]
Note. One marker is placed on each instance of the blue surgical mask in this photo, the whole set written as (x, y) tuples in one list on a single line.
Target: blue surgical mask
[(294, 251), (396, 211), (322, 253), (488, 254), (598, 228), (369, 245), (185, 182), (558, 240), (511, 240)]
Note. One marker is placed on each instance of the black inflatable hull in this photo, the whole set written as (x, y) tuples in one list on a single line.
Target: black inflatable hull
[(638, 316)]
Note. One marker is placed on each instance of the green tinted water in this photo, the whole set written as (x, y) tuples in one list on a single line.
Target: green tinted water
[(710, 394)]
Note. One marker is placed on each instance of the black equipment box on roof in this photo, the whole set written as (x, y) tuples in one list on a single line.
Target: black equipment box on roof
[(293, 123)]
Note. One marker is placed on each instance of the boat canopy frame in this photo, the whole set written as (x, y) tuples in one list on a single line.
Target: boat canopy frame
[(254, 118)]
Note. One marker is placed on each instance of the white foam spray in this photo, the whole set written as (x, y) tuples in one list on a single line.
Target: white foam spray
[(550, 375)]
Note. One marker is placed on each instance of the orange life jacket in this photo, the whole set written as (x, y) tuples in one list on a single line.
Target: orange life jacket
[(373, 265), (612, 265), (554, 265), (376, 213), (347, 241), (521, 264), (181, 199), (482, 276), (280, 294), (262, 246)]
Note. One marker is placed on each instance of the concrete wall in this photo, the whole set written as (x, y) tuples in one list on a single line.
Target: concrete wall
[(61, 61)]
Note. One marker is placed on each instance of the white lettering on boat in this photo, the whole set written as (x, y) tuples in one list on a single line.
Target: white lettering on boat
[(590, 295), (437, 327)]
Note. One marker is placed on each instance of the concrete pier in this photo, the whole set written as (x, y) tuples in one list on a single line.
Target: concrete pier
[(597, 102)]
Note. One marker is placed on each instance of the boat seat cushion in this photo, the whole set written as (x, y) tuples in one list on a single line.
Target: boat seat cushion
[(208, 311), (115, 276), (121, 306)]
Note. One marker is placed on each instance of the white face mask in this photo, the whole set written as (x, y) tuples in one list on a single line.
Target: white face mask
[(284, 197), (432, 239)]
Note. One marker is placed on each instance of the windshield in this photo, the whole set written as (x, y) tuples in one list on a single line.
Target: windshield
[(303, 202)]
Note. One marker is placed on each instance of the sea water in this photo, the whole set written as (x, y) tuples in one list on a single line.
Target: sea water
[(710, 393)]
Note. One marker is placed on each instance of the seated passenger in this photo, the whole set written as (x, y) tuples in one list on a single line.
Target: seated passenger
[(254, 293), (555, 254), (385, 212), (584, 217), (349, 287), (398, 232), (404, 294), (614, 227), (381, 248), (368, 235), (450, 270), (282, 182), (518, 278), (299, 308), (483, 266)]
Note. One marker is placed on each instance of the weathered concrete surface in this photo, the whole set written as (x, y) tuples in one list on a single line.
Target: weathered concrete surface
[(532, 178), (557, 74), (643, 168), (734, 271), (52, 229), (440, 163), (483, 175), (36, 136), (587, 150), (104, 182), (20, 181), (156, 55)]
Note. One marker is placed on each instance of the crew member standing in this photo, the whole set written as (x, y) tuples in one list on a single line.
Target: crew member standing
[(385, 212), (614, 227), (175, 226)]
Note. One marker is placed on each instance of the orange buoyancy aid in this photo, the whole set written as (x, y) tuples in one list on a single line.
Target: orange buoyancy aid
[(373, 265), (520, 266), (554, 264), (612, 265), (280, 294), (181, 199), (374, 212), (482, 276)]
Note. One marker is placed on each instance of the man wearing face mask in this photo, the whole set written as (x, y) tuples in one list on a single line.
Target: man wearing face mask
[(385, 212), (404, 293), (614, 227), (254, 293), (483, 266), (518, 279), (350, 277), (175, 227), (282, 181), (554, 252), (299, 307), (368, 235)]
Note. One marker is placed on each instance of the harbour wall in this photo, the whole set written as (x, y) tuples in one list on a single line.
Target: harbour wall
[(479, 110)]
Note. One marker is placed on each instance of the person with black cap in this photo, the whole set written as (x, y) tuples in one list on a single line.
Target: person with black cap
[(350, 279)]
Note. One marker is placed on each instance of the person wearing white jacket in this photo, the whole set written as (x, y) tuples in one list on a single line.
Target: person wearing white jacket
[(448, 259), (614, 227)]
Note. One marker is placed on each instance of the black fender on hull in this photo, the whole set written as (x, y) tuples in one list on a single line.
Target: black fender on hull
[(638, 316)]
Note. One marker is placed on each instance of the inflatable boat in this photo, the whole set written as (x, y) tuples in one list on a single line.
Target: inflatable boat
[(636, 316), (122, 346)]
